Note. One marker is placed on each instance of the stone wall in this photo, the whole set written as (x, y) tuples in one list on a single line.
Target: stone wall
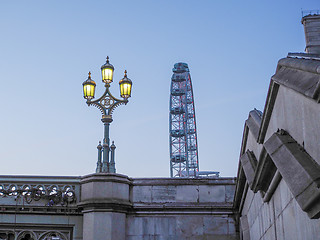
[(277, 193), (116, 207), (182, 209), (280, 218)]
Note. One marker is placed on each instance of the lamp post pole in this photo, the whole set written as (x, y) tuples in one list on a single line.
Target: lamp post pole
[(107, 104)]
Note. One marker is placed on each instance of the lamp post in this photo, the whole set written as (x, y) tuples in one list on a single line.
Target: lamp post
[(106, 104)]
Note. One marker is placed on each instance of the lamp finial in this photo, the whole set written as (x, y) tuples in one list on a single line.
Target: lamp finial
[(107, 59), (89, 75), (125, 73)]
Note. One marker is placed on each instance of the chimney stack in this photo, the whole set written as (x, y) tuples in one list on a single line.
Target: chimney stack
[(311, 23)]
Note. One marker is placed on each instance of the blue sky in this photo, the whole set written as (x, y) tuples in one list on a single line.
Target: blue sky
[(48, 47)]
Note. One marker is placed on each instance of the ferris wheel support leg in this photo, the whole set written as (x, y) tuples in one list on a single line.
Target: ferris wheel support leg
[(171, 172)]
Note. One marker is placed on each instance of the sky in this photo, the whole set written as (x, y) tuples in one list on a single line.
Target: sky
[(47, 49)]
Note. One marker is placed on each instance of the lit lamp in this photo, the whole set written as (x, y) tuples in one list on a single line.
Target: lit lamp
[(107, 103), (89, 88), (125, 86), (107, 72)]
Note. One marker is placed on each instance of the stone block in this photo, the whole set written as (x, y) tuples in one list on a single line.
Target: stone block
[(148, 226), (289, 223), (255, 232), (244, 224), (98, 225), (132, 237), (189, 226), (172, 226), (279, 227), (161, 194), (161, 226), (295, 165), (141, 194), (265, 218), (303, 222), (286, 195), (230, 191), (256, 207), (270, 234), (249, 164), (221, 237), (104, 187), (247, 202), (299, 170), (160, 237), (271, 212), (246, 234), (277, 202), (212, 193), (231, 226), (187, 193), (253, 123), (134, 226), (215, 225)]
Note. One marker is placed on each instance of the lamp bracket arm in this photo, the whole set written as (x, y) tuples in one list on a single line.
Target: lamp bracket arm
[(114, 98), (99, 106), (107, 102), (115, 105)]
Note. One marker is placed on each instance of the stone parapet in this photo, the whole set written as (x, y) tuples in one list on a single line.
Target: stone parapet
[(105, 191)]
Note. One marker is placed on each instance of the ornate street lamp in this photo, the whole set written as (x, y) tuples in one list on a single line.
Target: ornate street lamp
[(106, 104)]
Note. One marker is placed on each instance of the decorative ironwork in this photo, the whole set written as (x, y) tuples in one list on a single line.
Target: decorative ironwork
[(34, 234), (107, 102), (52, 194)]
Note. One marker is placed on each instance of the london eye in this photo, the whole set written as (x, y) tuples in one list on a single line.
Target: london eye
[(182, 125)]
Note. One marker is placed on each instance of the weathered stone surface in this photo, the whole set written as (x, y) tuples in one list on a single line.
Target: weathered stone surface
[(142, 194), (103, 187), (163, 193), (244, 225), (230, 190), (249, 164), (190, 226), (300, 81), (217, 225), (293, 105), (253, 122), (214, 193), (312, 33), (187, 194), (112, 206), (300, 171)]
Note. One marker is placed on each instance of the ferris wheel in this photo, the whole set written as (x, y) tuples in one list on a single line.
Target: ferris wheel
[(182, 125)]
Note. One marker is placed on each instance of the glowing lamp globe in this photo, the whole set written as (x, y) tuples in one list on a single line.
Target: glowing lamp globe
[(125, 86), (89, 88), (107, 72)]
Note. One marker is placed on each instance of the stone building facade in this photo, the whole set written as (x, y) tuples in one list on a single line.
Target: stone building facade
[(277, 194)]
